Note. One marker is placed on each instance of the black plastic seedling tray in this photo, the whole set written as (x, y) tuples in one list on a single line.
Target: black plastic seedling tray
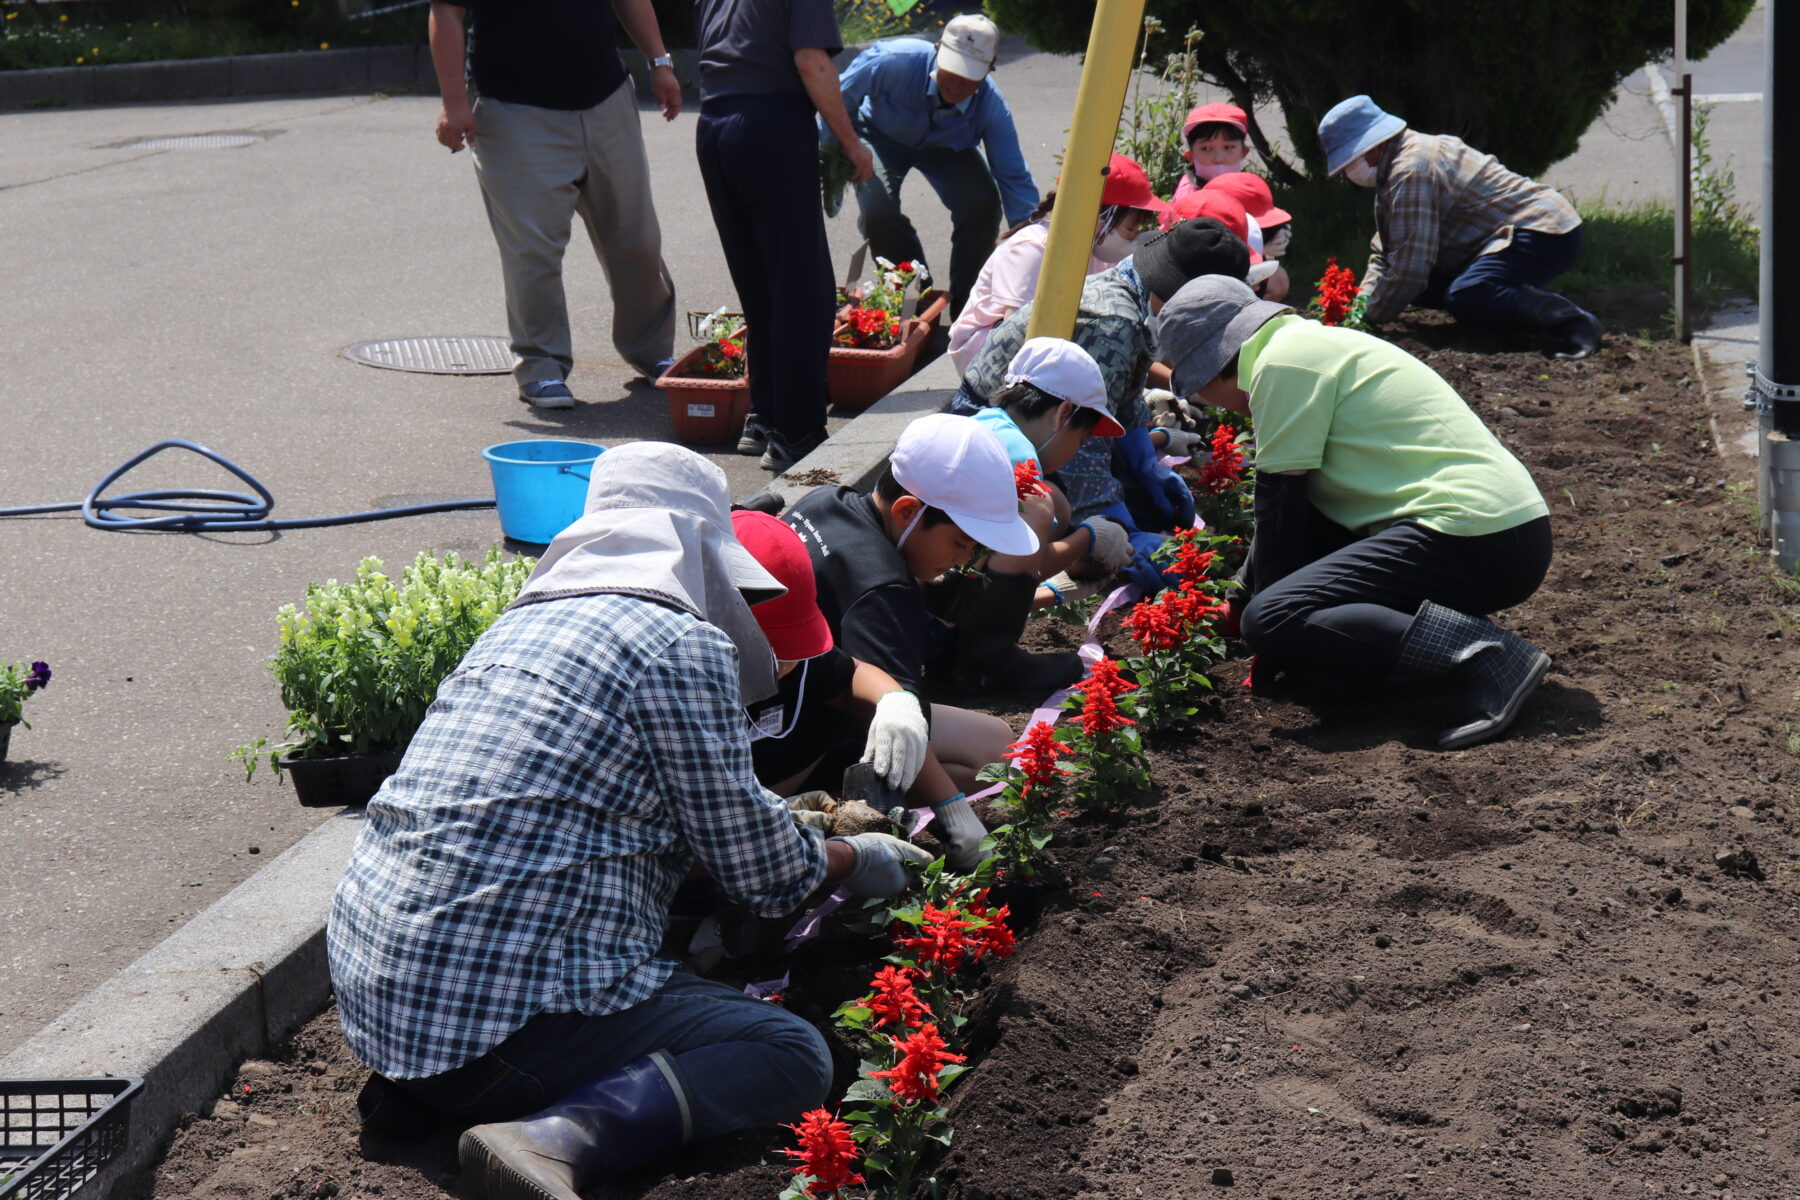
[(56, 1134)]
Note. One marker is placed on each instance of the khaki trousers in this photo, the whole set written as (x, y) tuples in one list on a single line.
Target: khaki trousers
[(540, 166)]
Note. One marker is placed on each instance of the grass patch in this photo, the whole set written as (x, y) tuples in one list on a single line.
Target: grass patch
[(28, 40), (1626, 248), (872, 20)]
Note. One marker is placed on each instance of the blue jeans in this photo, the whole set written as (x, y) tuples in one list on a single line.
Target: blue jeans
[(961, 180), (1492, 289), (743, 1062)]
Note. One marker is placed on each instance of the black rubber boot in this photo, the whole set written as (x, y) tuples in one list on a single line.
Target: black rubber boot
[(786, 449), (1577, 329), (603, 1129), (1496, 669), (990, 615)]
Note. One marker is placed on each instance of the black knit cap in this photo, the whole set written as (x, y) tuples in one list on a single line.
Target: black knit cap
[(1198, 246)]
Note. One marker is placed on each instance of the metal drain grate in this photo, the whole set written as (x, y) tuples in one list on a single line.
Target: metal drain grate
[(436, 355), (194, 141)]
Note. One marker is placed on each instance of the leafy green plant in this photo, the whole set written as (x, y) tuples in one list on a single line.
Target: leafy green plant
[(18, 683), (360, 663), (1031, 784)]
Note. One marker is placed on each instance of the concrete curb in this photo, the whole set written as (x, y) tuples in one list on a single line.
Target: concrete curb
[(373, 68), (233, 983), (230, 985)]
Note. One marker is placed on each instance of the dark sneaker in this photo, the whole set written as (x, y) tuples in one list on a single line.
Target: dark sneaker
[(651, 372), (547, 393), (786, 449), (754, 440)]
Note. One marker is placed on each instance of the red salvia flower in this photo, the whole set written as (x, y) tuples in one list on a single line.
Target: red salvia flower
[(1337, 292), (1035, 755), (827, 1153), (996, 937), (895, 1001), (1154, 626), (1193, 606), (1027, 479), (1100, 691), (922, 1055), (1224, 468), (942, 938)]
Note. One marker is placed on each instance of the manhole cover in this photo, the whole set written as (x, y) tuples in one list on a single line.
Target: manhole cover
[(196, 141), (436, 355)]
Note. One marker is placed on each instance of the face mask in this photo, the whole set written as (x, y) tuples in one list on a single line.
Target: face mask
[(1360, 173), (1114, 247), (767, 725), (1211, 171), (1276, 246)]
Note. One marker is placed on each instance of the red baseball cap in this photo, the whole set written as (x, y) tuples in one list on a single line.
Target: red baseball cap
[(1251, 191), (1219, 111), (1221, 207), (793, 624), (1128, 187)]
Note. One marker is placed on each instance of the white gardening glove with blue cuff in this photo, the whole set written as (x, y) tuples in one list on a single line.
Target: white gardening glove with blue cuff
[(963, 832), (1111, 544), (881, 860), (1183, 444), (898, 738)]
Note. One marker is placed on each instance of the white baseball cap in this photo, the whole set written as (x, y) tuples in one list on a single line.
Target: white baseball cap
[(968, 46), (1060, 368), (956, 464)]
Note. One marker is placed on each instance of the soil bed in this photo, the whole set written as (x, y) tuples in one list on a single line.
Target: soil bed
[(1327, 961)]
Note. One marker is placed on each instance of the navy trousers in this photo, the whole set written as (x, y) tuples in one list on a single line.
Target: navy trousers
[(1489, 290), (759, 160), (1349, 609)]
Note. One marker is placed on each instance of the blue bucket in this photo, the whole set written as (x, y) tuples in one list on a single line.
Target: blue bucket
[(540, 485)]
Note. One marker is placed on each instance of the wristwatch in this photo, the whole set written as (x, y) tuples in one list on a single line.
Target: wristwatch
[(663, 60)]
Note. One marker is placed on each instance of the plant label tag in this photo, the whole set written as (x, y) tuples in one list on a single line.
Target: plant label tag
[(702, 410)]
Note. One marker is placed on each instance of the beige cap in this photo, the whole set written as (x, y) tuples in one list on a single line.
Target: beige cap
[(968, 46)]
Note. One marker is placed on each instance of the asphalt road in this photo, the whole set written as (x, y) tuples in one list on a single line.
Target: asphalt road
[(206, 294)]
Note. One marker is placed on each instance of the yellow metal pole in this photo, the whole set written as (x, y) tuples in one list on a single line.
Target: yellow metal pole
[(1112, 47)]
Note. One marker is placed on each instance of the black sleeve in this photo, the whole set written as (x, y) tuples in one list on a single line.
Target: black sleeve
[(886, 628), (829, 675), (1282, 542)]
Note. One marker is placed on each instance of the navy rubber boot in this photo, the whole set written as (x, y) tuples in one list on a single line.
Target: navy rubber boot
[(1496, 669)]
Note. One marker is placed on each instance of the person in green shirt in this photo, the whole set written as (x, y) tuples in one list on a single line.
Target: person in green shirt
[(1389, 520)]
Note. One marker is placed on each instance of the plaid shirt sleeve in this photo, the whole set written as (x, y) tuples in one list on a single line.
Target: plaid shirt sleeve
[(685, 709), (1411, 216)]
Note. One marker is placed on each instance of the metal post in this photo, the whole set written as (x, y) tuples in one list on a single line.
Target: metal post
[(1112, 48), (1775, 387), (1684, 184)]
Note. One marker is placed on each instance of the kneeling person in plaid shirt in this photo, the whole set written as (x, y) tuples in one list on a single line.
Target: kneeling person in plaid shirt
[(1458, 231), (494, 941)]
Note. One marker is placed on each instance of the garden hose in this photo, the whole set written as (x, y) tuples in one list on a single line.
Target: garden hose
[(206, 510)]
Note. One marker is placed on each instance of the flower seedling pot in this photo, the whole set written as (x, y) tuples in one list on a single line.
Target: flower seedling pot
[(340, 780), (705, 409), (6, 738), (855, 379), (1026, 899)]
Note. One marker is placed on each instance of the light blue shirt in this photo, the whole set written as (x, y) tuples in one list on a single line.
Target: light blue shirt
[(891, 93), (1000, 423)]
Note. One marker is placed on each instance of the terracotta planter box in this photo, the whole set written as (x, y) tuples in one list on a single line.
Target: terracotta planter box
[(932, 307), (706, 409), (855, 379)]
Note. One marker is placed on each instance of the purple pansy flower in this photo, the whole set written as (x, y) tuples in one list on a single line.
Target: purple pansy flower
[(39, 677)]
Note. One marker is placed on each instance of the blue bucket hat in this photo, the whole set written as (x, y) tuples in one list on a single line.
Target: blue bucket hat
[(1354, 127)]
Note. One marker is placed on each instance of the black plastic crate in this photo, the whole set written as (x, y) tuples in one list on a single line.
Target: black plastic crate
[(55, 1134)]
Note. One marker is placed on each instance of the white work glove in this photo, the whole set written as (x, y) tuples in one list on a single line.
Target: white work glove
[(1166, 408), (963, 832), (1112, 545), (814, 810), (880, 868), (1183, 444), (898, 737)]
